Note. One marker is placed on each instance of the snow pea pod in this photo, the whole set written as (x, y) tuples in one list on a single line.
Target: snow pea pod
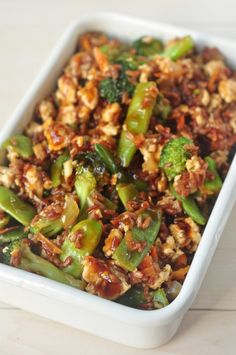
[(212, 186), (20, 144), (15, 207), (179, 48), (129, 259), (91, 232), (137, 119), (189, 206)]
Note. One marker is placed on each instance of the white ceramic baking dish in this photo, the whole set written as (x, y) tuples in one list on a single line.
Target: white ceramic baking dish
[(142, 329)]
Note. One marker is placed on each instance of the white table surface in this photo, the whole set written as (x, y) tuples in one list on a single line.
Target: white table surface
[(28, 32)]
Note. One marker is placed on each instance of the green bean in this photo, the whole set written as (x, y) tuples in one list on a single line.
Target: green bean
[(212, 186), (179, 48), (91, 232), (129, 259), (126, 192), (189, 206), (137, 119), (20, 144), (15, 207)]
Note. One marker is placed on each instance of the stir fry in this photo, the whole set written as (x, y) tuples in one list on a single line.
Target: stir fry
[(111, 184)]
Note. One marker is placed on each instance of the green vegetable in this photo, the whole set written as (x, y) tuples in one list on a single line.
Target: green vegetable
[(189, 206), (134, 298), (114, 50), (114, 168), (57, 168), (179, 48), (124, 85), (113, 89), (109, 90), (107, 158), (85, 183), (20, 144), (91, 233), (120, 54), (147, 46), (162, 108), (34, 263), (15, 207), (127, 62), (126, 192), (91, 161), (110, 51), (137, 119), (47, 227), (129, 259), (212, 186), (50, 227), (174, 156), (159, 298), (12, 235)]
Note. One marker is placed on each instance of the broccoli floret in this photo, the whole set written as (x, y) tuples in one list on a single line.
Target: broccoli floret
[(147, 46), (109, 90), (29, 261), (85, 183), (124, 85), (127, 61), (174, 156), (112, 89)]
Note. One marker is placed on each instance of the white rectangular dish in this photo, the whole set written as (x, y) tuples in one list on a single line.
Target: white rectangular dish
[(141, 329)]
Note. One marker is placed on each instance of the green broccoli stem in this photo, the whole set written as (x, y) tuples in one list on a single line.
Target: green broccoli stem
[(12, 235), (137, 119), (36, 264), (57, 168), (85, 183), (47, 227)]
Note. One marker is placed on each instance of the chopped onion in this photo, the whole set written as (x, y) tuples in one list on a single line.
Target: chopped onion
[(71, 211)]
